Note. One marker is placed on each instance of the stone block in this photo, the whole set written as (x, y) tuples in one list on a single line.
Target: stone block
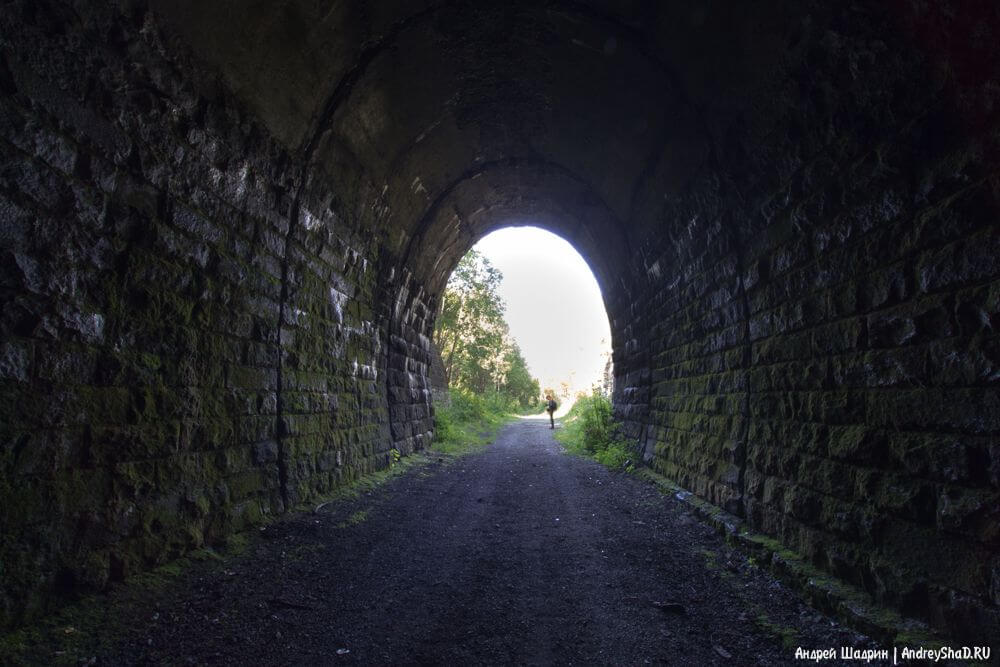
[(939, 456), (977, 310), (963, 615), (954, 562), (828, 477), (785, 348), (251, 378), (850, 523), (763, 325), (252, 429), (68, 366), (972, 411), (881, 368), (965, 362), (265, 452), (835, 407), (891, 329), (844, 300), (968, 261), (246, 484), (839, 337), (884, 287), (906, 498), (296, 402), (971, 512), (194, 224), (866, 483), (15, 360), (789, 256), (773, 491), (843, 561)]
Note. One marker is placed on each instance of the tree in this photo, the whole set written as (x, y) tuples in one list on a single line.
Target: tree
[(474, 339), (608, 376), (519, 384), (470, 329)]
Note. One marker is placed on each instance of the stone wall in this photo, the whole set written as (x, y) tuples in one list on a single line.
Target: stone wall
[(193, 340), (822, 321), (203, 325), (409, 385)]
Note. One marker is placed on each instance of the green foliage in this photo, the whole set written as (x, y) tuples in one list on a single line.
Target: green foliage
[(469, 422), (590, 430), (474, 339), (357, 517), (615, 455), (789, 636), (536, 407), (518, 383)]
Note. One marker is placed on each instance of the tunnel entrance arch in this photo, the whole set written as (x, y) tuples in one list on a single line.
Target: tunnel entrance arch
[(412, 320), (225, 229), (551, 303)]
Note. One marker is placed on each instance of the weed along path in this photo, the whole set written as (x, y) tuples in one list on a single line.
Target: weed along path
[(516, 554)]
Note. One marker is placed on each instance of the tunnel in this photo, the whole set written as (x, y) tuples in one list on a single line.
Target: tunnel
[(227, 227)]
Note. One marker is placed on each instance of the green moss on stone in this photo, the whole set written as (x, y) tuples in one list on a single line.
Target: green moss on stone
[(789, 636)]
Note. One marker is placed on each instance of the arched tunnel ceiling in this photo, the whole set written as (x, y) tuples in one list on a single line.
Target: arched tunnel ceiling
[(516, 190), (227, 225), (465, 115)]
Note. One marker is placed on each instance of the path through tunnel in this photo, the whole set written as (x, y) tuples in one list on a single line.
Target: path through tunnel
[(226, 230)]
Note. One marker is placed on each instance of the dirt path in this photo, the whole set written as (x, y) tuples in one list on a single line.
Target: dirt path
[(518, 554)]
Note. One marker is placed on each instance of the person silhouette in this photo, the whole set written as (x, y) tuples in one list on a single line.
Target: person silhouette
[(550, 407)]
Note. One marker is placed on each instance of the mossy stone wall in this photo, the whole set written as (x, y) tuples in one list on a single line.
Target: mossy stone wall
[(820, 324), (193, 339), (792, 210)]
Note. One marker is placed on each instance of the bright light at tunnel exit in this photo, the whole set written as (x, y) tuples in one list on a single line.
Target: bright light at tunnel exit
[(554, 306)]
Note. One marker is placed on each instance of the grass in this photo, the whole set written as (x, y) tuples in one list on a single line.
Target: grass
[(589, 429), (366, 483), (789, 636), (469, 422), (357, 517)]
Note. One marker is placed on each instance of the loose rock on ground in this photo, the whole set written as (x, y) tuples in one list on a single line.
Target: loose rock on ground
[(518, 554)]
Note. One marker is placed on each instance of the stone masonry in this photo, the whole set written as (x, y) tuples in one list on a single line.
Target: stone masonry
[(225, 230)]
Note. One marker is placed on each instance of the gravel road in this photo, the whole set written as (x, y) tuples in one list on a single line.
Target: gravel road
[(518, 554)]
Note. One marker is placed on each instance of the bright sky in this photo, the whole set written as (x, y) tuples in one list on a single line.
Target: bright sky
[(554, 306)]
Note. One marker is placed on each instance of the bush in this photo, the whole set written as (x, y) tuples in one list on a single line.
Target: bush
[(590, 429), (445, 426), (470, 420), (614, 456), (597, 426), (533, 408)]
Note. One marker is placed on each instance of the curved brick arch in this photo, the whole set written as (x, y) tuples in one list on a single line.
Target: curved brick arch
[(224, 231), (478, 203)]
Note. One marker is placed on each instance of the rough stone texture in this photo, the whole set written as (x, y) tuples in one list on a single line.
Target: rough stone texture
[(438, 379), (225, 233), (824, 351), (189, 348)]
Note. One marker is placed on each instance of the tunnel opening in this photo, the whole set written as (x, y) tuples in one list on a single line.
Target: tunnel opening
[(221, 264), (548, 302), (440, 249)]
